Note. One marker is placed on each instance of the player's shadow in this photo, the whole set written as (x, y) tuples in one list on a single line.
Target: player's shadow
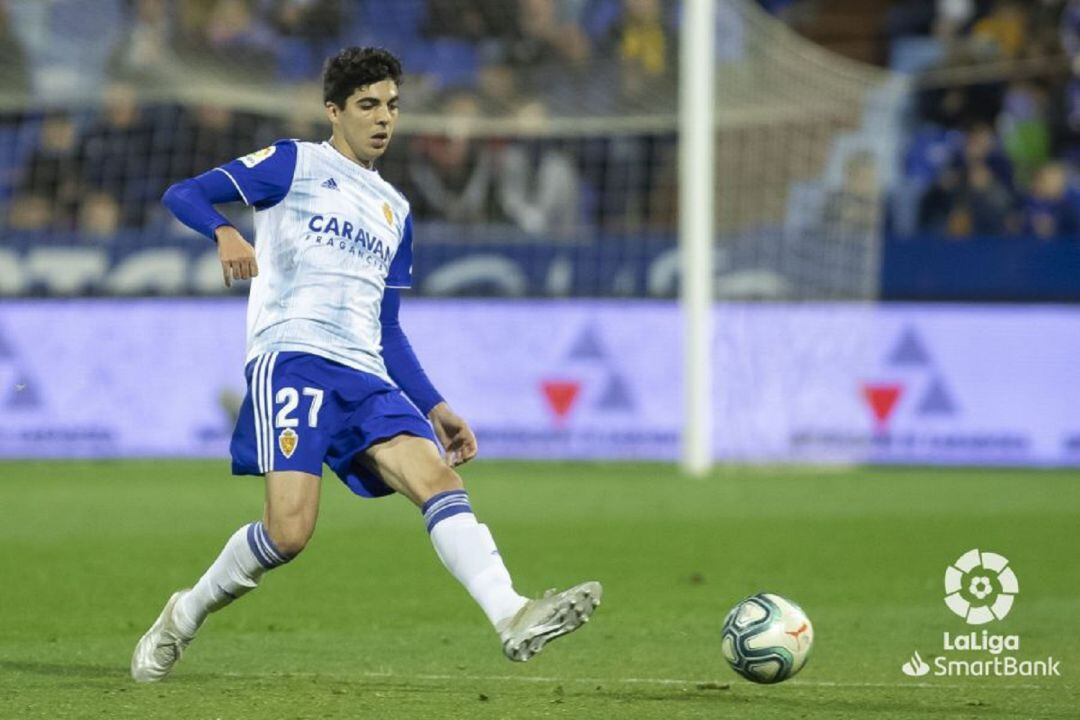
[(58, 670), (85, 672)]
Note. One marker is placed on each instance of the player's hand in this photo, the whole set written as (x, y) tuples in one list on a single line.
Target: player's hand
[(454, 434), (236, 254)]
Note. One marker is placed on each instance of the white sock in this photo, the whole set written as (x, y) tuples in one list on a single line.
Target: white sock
[(246, 556), (468, 551)]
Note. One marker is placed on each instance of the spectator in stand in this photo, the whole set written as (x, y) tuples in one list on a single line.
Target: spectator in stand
[(234, 30), (1005, 29), (1070, 29), (306, 28), (972, 196), (148, 50), (16, 76), (114, 155), (930, 150), (962, 204), (1067, 127), (313, 20), (31, 212), (643, 46), (211, 135), (1049, 213), (983, 147), (49, 185), (952, 17), (477, 20), (99, 215), (1043, 28), (545, 37), (538, 43), (192, 18), (852, 212), (1025, 130), (538, 184), (634, 180), (500, 90), (984, 206), (451, 177)]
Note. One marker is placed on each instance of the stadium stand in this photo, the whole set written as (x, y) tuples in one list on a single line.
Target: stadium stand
[(502, 154)]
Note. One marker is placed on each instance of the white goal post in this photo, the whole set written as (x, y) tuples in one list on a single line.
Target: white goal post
[(696, 167)]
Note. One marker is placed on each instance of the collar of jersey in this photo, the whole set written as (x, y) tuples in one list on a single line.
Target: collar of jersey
[(346, 161)]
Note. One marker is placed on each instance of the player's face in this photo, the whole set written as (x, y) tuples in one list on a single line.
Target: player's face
[(363, 127)]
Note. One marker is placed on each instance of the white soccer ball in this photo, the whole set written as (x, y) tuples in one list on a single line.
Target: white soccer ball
[(766, 638)]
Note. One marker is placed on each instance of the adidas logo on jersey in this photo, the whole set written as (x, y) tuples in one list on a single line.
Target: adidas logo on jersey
[(331, 183)]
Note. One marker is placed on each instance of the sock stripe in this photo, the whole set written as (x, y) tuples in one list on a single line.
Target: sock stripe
[(444, 505), (255, 549), (448, 511), (275, 554), (435, 500), (263, 547)]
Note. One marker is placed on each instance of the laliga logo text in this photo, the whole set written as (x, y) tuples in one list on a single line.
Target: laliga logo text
[(981, 587)]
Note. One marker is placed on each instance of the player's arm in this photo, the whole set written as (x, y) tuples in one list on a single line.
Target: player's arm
[(405, 370), (454, 433), (261, 179), (192, 202)]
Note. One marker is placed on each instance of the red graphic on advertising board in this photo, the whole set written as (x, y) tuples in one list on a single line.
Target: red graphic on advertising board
[(882, 399), (560, 395)]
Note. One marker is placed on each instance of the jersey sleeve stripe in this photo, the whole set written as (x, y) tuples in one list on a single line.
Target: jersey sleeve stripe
[(236, 184)]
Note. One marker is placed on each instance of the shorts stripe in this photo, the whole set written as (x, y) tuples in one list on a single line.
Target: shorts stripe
[(256, 402), (268, 417), (259, 394)]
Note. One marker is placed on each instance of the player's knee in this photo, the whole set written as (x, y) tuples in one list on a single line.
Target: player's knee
[(290, 538)]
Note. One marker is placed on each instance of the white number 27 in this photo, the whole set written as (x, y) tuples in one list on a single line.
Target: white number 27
[(291, 399)]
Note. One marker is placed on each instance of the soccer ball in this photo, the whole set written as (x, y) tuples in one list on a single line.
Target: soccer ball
[(766, 638)]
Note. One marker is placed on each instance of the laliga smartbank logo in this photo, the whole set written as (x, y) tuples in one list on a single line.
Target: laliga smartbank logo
[(980, 587)]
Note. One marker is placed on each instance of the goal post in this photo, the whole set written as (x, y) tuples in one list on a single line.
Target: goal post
[(696, 168)]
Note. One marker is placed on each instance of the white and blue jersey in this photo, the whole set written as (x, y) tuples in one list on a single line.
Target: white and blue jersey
[(323, 338), (330, 235)]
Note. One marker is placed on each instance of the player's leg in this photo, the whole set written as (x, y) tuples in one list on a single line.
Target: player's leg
[(268, 441), (292, 507), (413, 467)]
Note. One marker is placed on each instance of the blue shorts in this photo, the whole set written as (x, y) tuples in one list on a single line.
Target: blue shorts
[(302, 410)]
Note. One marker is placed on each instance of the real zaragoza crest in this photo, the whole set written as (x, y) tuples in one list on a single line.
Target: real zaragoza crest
[(388, 213), (287, 441)]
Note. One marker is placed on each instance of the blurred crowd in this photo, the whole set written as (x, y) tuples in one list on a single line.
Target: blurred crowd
[(505, 50), (95, 172), (997, 157), (984, 157)]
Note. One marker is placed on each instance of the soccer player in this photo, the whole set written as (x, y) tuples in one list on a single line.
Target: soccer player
[(331, 376)]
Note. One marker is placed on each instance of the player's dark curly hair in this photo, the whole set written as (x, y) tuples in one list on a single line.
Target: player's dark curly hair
[(355, 67)]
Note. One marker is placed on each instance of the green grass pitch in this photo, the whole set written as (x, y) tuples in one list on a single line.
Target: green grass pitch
[(367, 624)]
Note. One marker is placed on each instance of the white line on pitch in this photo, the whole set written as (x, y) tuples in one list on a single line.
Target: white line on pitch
[(680, 681)]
